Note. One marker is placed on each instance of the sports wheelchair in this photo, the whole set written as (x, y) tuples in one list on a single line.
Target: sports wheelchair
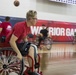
[(47, 42), (9, 63)]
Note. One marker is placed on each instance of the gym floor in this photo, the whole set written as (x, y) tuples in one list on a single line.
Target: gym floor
[(60, 60)]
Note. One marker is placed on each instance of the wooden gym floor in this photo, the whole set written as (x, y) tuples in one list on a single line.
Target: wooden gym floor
[(60, 60)]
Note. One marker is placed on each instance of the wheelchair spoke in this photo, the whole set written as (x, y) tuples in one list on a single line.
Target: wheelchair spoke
[(1, 73), (4, 59), (1, 66), (1, 62), (1, 69), (10, 63), (4, 72), (15, 67), (12, 59)]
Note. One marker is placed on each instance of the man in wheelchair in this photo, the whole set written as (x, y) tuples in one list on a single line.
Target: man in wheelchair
[(43, 35), (5, 28), (19, 42)]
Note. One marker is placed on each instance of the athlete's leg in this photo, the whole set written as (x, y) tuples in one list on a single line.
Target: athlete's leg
[(33, 53)]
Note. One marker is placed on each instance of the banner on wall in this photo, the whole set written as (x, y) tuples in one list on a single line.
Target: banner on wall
[(65, 1), (60, 31)]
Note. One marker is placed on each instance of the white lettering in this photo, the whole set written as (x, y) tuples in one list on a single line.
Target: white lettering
[(54, 31), (35, 30), (67, 32)]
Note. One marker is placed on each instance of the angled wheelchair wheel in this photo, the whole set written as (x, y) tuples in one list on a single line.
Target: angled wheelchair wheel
[(48, 43), (9, 63), (48, 47)]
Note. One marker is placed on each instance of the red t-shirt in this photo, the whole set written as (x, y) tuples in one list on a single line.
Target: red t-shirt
[(6, 28), (20, 30), (0, 27)]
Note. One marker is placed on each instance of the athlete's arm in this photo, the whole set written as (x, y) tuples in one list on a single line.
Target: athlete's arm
[(14, 46), (1, 30), (41, 34)]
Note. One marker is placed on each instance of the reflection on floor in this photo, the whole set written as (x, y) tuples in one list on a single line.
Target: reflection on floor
[(60, 60)]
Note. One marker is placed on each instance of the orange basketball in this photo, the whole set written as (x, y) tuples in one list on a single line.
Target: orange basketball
[(16, 3)]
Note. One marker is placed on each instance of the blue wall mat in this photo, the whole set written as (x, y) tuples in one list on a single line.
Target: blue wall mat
[(13, 20)]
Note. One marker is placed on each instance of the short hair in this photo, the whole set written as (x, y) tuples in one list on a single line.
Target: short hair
[(7, 18), (43, 24), (30, 14)]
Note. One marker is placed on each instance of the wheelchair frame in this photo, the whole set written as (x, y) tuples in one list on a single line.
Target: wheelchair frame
[(10, 63)]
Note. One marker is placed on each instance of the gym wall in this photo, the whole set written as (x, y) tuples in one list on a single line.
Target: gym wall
[(46, 9), (47, 12)]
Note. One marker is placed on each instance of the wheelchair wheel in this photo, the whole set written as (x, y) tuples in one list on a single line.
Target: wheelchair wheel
[(48, 47), (9, 63), (48, 43)]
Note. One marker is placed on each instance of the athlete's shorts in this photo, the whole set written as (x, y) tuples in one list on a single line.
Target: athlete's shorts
[(24, 48), (2, 39)]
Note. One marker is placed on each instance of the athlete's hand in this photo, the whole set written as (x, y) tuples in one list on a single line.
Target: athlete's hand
[(19, 56)]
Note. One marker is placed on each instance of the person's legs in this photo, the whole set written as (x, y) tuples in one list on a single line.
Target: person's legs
[(2, 39), (31, 51)]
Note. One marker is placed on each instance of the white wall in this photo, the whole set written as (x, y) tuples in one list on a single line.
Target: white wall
[(56, 11), (46, 10), (7, 7), (55, 7)]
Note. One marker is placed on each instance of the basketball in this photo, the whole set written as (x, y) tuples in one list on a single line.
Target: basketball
[(16, 3)]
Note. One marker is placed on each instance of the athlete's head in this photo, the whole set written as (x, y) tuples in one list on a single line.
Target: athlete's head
[(31, 17), (7, 18), (43, 26)]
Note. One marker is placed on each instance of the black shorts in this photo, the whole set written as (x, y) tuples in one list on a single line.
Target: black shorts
[(24, 48), (2, 39)]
